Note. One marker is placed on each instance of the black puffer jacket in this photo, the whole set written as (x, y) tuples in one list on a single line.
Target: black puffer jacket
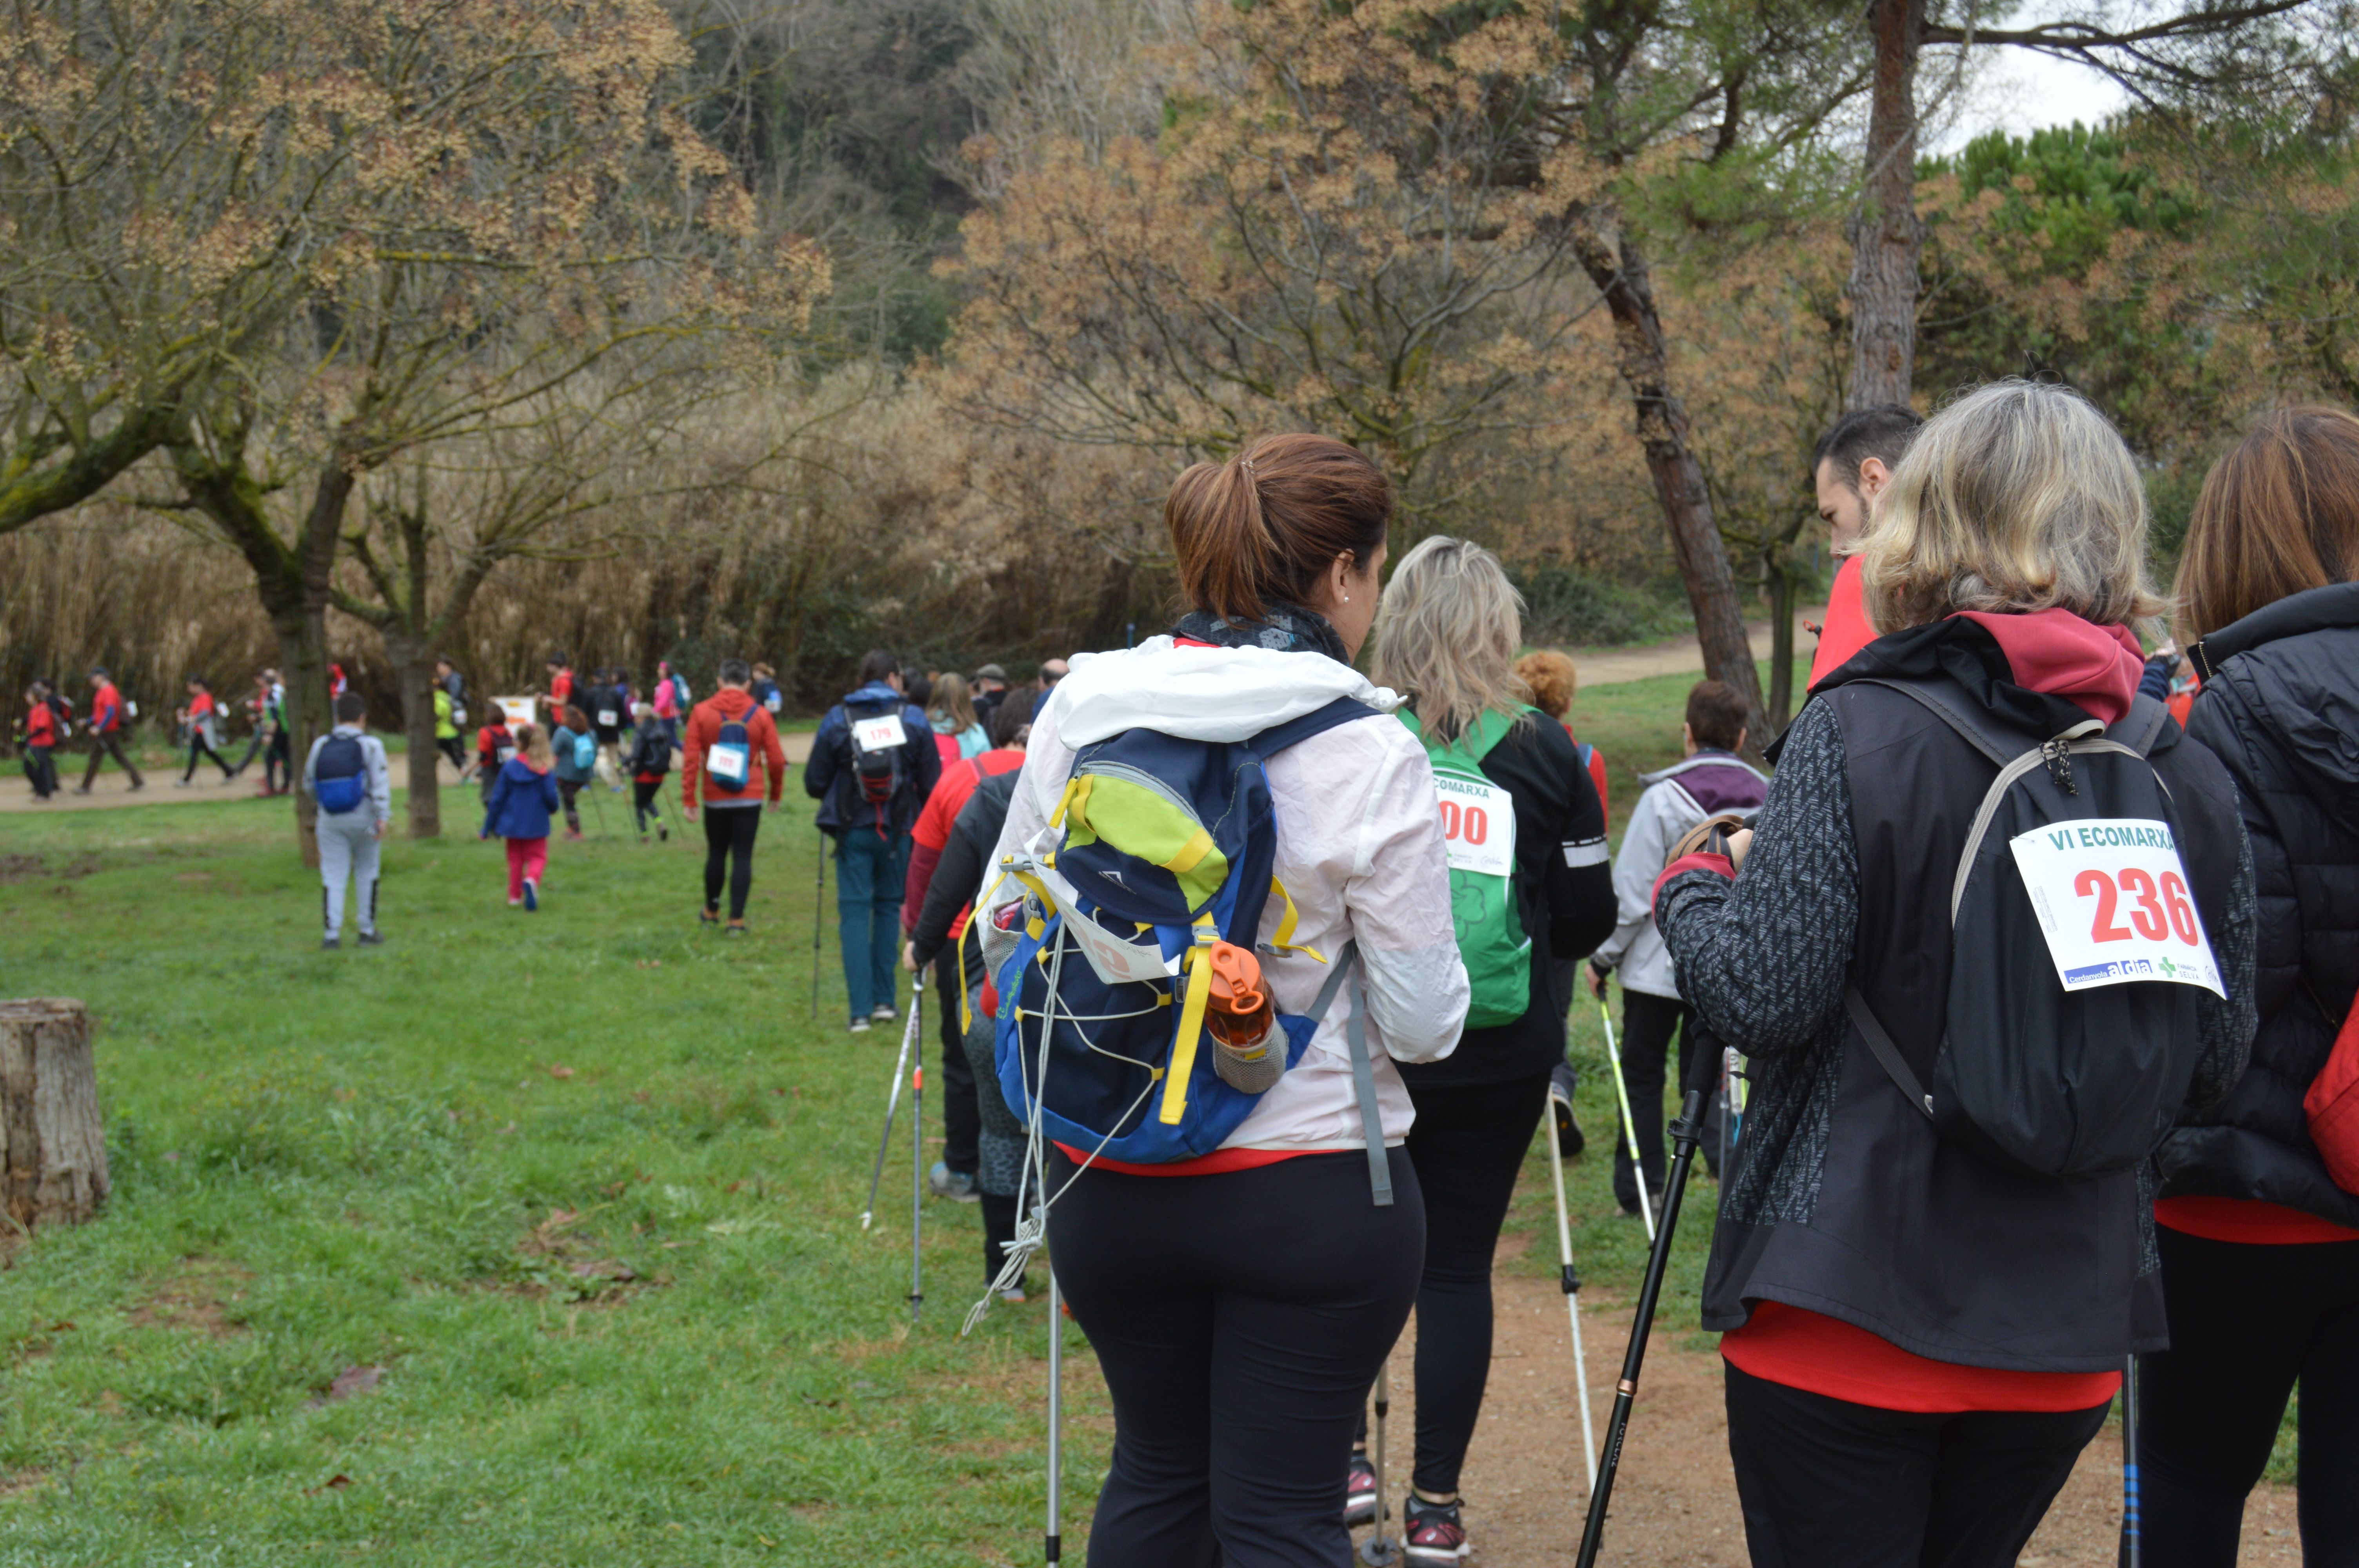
[(2280, 708)]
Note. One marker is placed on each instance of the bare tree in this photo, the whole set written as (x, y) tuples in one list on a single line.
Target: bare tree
[(472, 208)]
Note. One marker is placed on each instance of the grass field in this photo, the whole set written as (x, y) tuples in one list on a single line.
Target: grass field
[(582, 1184)]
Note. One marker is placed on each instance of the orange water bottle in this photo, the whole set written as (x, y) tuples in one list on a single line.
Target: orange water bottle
[(1248, 1048)]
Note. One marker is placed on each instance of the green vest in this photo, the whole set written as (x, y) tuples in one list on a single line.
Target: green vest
[(1478, 829)]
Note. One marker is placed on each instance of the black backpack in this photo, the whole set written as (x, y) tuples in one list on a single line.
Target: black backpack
[(879, 767), (2071, 1034)]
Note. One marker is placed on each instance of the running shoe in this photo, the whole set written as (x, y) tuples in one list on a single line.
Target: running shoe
[(859, 1026), (735, 929), (883, 1013), (663, 835), (532, 894), (371, 938), (956, 1186), (707, 917), (329, 944), (1014, 1295), (1360, 1491), (1562, 1083), (1435, 1532)]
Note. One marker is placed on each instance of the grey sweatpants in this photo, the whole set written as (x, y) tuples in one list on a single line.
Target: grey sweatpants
[(348, 850)]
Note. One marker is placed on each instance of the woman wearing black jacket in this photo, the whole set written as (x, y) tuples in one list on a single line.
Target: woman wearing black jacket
[(1919, 1340), (1446, 637), (957, 876), (2260, 1249)]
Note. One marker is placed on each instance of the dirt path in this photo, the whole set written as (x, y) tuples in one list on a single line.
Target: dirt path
[(114, 790), (1680, 656), (1675, 1500)]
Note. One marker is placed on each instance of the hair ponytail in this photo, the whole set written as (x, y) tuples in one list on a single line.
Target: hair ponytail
[(1266, 525)]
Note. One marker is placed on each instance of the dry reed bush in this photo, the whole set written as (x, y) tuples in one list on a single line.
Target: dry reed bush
[(801, 526)]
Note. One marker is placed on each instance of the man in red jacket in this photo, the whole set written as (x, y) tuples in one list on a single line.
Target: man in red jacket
[(107, 718), (953, 1175), (1853, 464), (733, 765)]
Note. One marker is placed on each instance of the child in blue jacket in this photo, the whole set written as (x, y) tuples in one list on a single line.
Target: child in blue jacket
[(518, 809)]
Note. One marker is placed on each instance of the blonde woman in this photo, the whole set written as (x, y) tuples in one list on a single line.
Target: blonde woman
[(957, 731), (1511, 779), (1918, 1341)]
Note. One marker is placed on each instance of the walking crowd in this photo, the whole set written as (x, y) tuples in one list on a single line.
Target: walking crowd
[(2017, 978)]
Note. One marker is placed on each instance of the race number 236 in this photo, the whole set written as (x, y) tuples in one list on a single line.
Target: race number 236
[(2154, 907), (2112, 898)]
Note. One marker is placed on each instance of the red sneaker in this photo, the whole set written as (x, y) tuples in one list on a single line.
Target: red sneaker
[(1360, 1492), (1435, 1532)]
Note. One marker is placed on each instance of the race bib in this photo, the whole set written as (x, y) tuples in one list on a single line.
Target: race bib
[(1116, 961), (1478, 826), (2112, 902), (608, 719), (880, 733), (772, 701), (728, 763)]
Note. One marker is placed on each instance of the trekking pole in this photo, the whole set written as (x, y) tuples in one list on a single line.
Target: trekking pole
[(1629, 1122), (1687, 1133), (819, 921), (1380, 1550), (1572, 1283), (917, 1157), (2130, 1531), (884, 1144), (597, 806), (1055, 1543)]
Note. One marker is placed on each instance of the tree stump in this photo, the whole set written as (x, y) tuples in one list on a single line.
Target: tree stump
[(52, 1143)]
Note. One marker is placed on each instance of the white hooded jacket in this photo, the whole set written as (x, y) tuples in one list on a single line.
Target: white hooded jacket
[(1359, 846)]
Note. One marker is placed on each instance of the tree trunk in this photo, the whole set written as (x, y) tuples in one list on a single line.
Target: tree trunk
[(1885, 235), (1619, 271), (1780, 595), (413, 672), (303, 667), (52, 1141)]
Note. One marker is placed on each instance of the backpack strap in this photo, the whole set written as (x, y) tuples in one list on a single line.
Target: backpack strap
[(2142, 726), (1363, 1071), (2000, 744), (1887, 1053), (1318, 721)]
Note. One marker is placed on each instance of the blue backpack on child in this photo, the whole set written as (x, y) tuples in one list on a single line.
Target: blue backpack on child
[(1168, 847), (340, 774)]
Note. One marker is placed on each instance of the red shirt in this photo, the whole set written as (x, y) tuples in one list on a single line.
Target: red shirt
[(2249, 1220), (199, 705), (106, 709), (932, 832), (1846, 631), (40, 726), (489, 739), (560, 688), (766, 772), (1822, 1355)]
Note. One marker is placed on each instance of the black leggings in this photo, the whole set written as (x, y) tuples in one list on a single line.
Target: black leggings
[(197, 748), (961, 1119), (1238, 1320), (1828, 1484), (1648, 1022), (569, 794), (729, 850), (41, 767), (2245, 1323), (643, 802), (1468, 1145)]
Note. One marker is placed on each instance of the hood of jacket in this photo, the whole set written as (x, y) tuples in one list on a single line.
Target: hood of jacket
[(1220, 694), (877, 691), (731, 703), (2308, 696), (2043, 671), (1717, 781)]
